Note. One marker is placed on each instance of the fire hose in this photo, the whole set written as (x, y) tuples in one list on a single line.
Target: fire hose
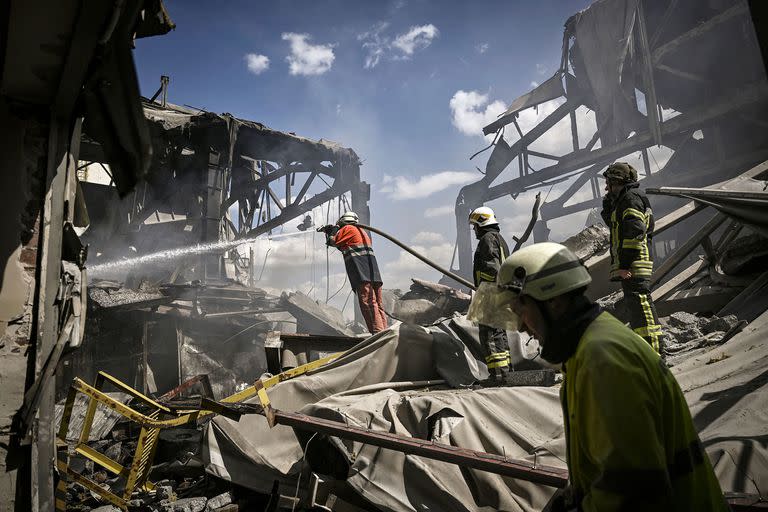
[(423, 258), (519, 242)]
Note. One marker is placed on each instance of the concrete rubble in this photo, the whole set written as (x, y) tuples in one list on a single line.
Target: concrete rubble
[(426, 303), (315, 316), (188, 478)]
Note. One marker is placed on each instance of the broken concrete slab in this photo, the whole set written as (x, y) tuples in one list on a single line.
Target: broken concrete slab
[(614, 304), (421, 289), (592, 241), (417, 311), (196, 504), (683, 320), (314, 317), (125, 298), (426, 303), (217, 502), (716, 323), (682, 335), (389, 297)]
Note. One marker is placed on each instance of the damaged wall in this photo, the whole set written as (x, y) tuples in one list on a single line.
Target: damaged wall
[(22, 171)]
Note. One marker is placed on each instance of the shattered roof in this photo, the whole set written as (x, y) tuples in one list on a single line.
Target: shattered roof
[(685, 38), (252, 139)]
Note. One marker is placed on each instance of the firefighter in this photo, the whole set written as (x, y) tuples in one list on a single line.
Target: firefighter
[(491, 251), (362, 268), (628, 214), (630, 440)]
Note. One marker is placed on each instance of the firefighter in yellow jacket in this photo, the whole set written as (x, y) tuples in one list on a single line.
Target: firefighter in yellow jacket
[(630, 439), (627, 212)]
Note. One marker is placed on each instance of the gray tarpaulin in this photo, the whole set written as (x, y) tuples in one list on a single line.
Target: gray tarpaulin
[(364, 387), (727, 389), (373, 386), (517, 422)]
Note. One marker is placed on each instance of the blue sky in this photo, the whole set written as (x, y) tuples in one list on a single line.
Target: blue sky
[(378, 77)]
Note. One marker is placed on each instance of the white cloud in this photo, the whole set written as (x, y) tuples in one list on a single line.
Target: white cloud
[(257, 64), (306, 58), (428, 237), (439, 211), (375, 43), (417, 38), (482, 48), (558, 139), (534, 84), (379, 45), (398, 273), (468, 113), (402, 187), (541, 69)]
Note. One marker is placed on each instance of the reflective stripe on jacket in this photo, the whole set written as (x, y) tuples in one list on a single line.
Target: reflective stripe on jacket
[(630, 219), (359, 259), (631, 442), (491, 251)]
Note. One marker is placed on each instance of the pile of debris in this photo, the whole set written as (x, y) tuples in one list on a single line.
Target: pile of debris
[(426, 303), (416, 383), (155, 337)]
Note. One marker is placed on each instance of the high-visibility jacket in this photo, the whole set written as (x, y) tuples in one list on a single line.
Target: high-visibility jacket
[(631, 443), (359, 259), (630, 218), (491, 252)]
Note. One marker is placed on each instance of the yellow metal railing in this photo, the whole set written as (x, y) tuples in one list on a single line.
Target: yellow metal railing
[(151, 423)]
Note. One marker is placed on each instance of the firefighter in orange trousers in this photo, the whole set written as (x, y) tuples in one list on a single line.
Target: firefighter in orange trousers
[(362, 268)]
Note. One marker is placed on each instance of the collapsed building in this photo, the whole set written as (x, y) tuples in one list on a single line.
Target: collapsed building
[(685, 76), (179, 385), (166, 277)]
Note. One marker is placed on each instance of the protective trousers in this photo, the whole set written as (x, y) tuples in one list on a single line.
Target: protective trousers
[(371, 306), (642, 313), (496, 348)]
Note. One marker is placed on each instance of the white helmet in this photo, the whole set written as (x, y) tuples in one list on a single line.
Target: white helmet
[(541, 271), (348, 218), (482, 217)]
